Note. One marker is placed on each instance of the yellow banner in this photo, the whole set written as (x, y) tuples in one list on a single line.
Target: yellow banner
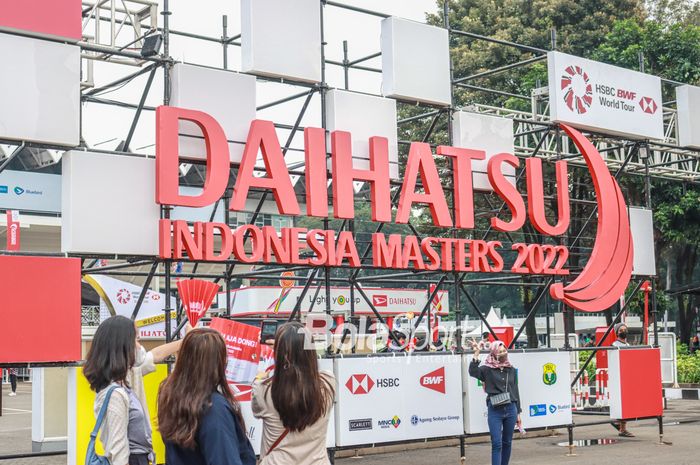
[(154, 319)]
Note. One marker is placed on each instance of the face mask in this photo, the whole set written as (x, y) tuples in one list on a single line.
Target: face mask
[(623, 334), (140, 355)]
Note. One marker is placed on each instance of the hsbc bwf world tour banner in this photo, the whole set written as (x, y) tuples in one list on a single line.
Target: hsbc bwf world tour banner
[(604, 98)]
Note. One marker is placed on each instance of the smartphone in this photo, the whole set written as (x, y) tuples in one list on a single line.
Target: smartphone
[(268, 330)]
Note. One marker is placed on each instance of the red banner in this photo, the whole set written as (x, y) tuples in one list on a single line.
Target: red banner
[(243, 347), (12, 230)]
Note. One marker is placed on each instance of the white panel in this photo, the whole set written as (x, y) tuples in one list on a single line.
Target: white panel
[(109, 204), (415, 61), (687, 102), (542, 403), (604, 98), (227, 96), (199, 214), (386, 399), (642, 224), (489, 133), (39, 91), (364, 116), (614, 385), (282, 38)]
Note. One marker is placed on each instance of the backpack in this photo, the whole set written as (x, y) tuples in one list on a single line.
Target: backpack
[(91, 457)]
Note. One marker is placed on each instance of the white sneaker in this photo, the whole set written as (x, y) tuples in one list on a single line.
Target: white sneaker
[(12, 394)]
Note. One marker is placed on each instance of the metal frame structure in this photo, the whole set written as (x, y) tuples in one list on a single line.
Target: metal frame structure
[(535, 136)]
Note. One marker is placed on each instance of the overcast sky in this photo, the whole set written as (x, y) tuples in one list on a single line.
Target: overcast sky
[(101, 124)]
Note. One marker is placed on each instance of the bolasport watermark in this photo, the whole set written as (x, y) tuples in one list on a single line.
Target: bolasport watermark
[(369, 335)]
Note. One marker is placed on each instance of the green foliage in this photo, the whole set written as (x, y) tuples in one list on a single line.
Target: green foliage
[(590, 369), (688, 364), (581, 26)]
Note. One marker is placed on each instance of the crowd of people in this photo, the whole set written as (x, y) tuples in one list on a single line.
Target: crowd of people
[(199, 418)]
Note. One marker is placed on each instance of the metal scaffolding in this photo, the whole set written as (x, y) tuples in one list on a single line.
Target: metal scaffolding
[(535, 136)]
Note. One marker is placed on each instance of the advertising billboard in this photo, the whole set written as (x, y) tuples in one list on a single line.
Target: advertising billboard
[(30, 192), (545, 394), (271, 300), (384, 399), (604, 98), (687, 101)]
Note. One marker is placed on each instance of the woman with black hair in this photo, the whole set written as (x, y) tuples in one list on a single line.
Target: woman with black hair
[(295, 403), (116, 359)]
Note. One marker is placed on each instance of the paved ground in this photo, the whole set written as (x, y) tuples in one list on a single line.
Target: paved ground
[(682, 428)]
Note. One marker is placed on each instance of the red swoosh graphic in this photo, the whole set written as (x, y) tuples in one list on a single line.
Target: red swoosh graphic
[(609, 269)]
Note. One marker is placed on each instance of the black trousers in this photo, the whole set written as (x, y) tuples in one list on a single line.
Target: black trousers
[(13, 382)]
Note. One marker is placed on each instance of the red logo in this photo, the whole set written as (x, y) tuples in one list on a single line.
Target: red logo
[(648, 105), (123, 296), (380, 300), (359, 384), (578, 91), (434, 380), (155, 296)]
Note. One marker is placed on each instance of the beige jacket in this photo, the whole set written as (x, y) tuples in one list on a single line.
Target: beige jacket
[(297, 448), (113, 433)]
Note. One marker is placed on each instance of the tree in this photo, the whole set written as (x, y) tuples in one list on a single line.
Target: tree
[(672, 51)]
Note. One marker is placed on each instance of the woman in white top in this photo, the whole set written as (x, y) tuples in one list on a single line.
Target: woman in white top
[(295, 403), (117, 359)]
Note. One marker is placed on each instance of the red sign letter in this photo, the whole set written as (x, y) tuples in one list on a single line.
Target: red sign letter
[(420, 161), (507, 192), (168, 159), (262, 136), (462, 179), (535, 197), (344, 175)]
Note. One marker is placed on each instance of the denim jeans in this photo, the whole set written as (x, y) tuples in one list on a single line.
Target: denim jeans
[(501, 426)]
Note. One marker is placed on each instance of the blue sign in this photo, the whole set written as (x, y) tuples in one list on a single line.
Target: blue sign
[(3, 189), (538, 410)]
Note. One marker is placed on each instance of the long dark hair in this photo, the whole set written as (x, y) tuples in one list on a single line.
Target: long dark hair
[(186, 395), (300, 395), (112, 354)]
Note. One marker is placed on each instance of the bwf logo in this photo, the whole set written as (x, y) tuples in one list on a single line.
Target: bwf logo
[(435, 380)]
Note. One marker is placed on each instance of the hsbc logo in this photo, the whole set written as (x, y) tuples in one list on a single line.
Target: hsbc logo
[(648, 105), (363, 384), (380, 300), (435, 380), (359, 384)]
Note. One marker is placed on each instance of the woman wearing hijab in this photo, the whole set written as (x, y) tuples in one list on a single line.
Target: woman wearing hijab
[(503, 398)]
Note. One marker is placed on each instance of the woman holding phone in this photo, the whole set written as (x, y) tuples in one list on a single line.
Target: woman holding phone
[(503, 398), (198, 417), (295, 403)]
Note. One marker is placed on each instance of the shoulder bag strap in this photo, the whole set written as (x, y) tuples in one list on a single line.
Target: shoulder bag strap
[(277, 442), (103, 411)]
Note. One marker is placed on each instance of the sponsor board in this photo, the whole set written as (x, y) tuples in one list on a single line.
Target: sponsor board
[(544, 392), (604, 98), (258, 300), (406, 398)]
